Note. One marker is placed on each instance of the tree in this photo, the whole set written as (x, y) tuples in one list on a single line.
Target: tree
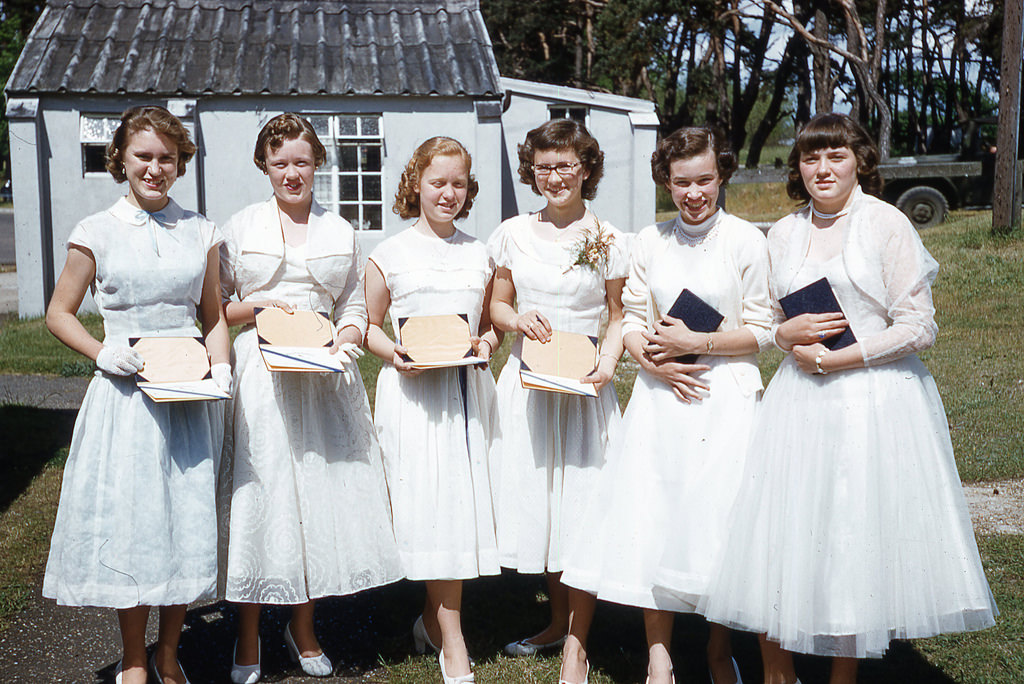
[(16, 19)]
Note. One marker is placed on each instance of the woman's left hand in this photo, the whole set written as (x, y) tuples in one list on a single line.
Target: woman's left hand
[(671, 338), (805, 355), (602, 373), (347, 342)]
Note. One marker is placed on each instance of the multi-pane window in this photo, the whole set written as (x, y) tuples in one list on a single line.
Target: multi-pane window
[(351, 182), (94, 132), (574, 113)]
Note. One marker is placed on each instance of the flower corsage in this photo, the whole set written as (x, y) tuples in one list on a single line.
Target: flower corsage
[(591, 250)]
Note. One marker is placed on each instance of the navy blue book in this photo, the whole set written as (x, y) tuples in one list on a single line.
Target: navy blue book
[(698, 315), (817, 297)]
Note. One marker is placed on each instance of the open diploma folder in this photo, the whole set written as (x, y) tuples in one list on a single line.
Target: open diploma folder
[(437, 341), (698, 315), (177, 369), (297, 342), (558, 364), (817, 298)]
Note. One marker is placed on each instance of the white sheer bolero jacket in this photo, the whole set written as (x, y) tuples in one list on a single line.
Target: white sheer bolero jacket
[(253, 252), (888, 265)]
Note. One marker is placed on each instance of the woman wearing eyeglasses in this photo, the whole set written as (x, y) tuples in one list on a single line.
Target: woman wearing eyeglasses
[(558, 269)]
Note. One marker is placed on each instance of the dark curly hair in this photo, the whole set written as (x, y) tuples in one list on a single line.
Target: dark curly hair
[(287, 126), (834, 130), (563, 134), (148, 117), (407, 199), (687, 143)]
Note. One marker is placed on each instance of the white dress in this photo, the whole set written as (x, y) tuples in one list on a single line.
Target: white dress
[(660, 515), (436, 429), (553, 444), (136, 524), (851, 528), (304, 510)]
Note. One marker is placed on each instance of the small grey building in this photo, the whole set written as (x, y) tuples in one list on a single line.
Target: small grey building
[(376, 78)]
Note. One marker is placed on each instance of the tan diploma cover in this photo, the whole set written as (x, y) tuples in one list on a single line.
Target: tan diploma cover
[(176, 369), (558, 364)]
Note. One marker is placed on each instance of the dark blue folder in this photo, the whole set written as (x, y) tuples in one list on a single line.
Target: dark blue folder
[(818, 297), (698, 316)]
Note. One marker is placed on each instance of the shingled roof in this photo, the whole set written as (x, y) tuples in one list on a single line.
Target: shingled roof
[(266, 47)]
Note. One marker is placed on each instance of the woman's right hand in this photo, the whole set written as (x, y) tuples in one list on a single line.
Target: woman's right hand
[(119, 360), (810, 328), (678, 376), (533, 324), (398, 360)]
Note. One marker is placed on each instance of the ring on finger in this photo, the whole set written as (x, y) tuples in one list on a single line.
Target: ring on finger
[(821, 335)]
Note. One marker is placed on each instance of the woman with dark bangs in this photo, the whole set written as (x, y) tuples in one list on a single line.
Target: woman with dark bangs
[(561, 269), (851, 529)]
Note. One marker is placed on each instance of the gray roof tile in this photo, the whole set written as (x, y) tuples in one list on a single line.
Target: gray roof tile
[(272, 47)]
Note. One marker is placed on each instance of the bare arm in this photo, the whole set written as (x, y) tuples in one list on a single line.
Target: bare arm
[(611, 346), (378, 301), (79, 271), (490, 335), (531, 323), (211, 313)]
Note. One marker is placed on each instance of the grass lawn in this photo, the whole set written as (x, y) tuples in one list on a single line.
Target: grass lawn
[(977, 366)]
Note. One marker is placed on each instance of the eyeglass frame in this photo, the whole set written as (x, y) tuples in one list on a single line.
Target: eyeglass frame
[(568, 169)]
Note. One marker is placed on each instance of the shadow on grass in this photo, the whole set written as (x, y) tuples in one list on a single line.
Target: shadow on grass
[(365, 633), (33, 438)]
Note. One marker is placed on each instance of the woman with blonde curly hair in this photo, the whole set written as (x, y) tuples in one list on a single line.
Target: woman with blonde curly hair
[(435, 426), (136, 524)]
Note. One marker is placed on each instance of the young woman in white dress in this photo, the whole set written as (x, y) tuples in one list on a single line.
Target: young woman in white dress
[(436, 426), (552, 445), (660, 515), (851, 528), (136, 524), (301, 453)]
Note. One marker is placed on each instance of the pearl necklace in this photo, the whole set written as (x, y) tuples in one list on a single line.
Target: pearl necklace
[(698, 233), (828, 217)]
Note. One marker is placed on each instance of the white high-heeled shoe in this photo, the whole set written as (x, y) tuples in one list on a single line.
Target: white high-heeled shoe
[(314, 666), (156, 673), (524, 647), (117, 672), (420, 637), (461, 679), (246, 674), (586, 677)]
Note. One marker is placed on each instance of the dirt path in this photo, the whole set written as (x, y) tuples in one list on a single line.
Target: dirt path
[(996, 507)]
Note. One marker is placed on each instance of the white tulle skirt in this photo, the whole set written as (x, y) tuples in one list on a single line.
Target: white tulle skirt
[(137, 521), (552, 451), (662, 508), (436, 431), (851, 527), (304, 510)]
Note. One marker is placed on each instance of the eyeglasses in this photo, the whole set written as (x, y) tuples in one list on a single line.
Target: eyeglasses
[(563, 169)]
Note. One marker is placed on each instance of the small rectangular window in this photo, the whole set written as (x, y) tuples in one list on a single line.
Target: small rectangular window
[(94, 132), (574, 113), (352, 182)]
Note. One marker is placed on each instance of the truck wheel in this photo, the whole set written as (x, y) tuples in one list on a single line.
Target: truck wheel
[(924, 206)]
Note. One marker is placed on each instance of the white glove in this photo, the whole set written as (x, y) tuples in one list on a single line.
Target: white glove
[(221, 373), (119, 360), (353, 351)]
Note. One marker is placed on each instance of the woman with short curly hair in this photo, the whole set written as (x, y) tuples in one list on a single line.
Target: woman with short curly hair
[(436, 425), (301, 452), (658, 524), (559, 269)]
